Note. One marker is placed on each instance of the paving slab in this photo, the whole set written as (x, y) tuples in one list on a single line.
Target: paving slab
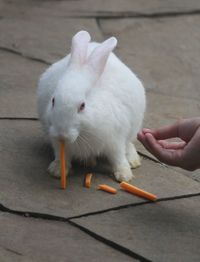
[(44, 38), (100, 8), (19, 78), (163, 52), (166, 109), (42, 240), (8, 255), (164, 231), (25, 184), (193, 174)]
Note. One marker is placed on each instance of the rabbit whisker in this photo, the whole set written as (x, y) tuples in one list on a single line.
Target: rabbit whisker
[(86, 132), (86, 142), (87, 147)]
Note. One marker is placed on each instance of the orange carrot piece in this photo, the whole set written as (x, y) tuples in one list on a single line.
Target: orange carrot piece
[(88, 179), (108, 189), (137, 191), (62, 165)]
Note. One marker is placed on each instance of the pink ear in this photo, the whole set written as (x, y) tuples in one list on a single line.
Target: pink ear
[(79, 47), (98, 58)]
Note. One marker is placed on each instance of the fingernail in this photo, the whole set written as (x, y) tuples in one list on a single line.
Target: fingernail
[(146, 130)]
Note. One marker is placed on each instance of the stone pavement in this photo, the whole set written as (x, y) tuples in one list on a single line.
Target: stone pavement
[(159, 40)]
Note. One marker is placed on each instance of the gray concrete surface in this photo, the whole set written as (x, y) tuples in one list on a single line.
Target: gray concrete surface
[(140, 229), (39, 240), (159, 40)]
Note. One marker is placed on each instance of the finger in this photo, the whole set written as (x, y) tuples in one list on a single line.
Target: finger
[(172, 145), (142, 139), (164, 155), (140, 136), (146, 130), (163, 132)]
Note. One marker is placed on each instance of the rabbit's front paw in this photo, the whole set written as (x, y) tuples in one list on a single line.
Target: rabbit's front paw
[(132, 156), (134, 163), (54, 168), (124, 174)]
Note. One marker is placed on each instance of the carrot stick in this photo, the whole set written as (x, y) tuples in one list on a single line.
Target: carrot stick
[(137, 191), (108, 189), (88, 179), (62, 165)]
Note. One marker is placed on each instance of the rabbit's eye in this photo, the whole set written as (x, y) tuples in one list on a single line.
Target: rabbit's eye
[(53, 102), (81, 107)]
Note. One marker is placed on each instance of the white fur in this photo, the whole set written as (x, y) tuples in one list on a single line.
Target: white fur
[(114, 105)]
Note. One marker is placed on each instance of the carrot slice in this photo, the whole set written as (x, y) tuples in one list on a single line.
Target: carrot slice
[(137, 191), (62, 165), (88, 179), (108, 189)]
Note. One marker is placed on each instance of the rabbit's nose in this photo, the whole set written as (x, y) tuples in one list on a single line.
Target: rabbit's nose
[(62, 137), (71, 138)]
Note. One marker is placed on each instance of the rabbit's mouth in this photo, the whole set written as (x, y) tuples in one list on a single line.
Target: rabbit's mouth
[(69, 137)]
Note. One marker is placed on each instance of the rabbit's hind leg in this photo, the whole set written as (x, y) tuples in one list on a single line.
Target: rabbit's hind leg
[(132, 156)]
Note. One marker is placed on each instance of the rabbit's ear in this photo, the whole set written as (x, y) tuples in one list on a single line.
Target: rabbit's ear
[(79, 47), (98, 58)]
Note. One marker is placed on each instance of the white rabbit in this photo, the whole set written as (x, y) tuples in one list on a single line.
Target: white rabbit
[(95, 103)]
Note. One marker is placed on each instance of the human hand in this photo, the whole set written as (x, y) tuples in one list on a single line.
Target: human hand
[(185, 154)]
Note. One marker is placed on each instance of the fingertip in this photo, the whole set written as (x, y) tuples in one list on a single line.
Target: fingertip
[(146, 130), (140, 135)]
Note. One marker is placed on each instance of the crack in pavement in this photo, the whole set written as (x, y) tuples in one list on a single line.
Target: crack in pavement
[(12, 251), (164, 199), (13, 51), (109, 15), (105, 241), (111, 243), (122, 14), (99, 26), (63, 219), (132, 14), (19, 118)]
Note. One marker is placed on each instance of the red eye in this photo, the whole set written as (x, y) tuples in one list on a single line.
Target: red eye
[(82, 106), (53, 101)]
